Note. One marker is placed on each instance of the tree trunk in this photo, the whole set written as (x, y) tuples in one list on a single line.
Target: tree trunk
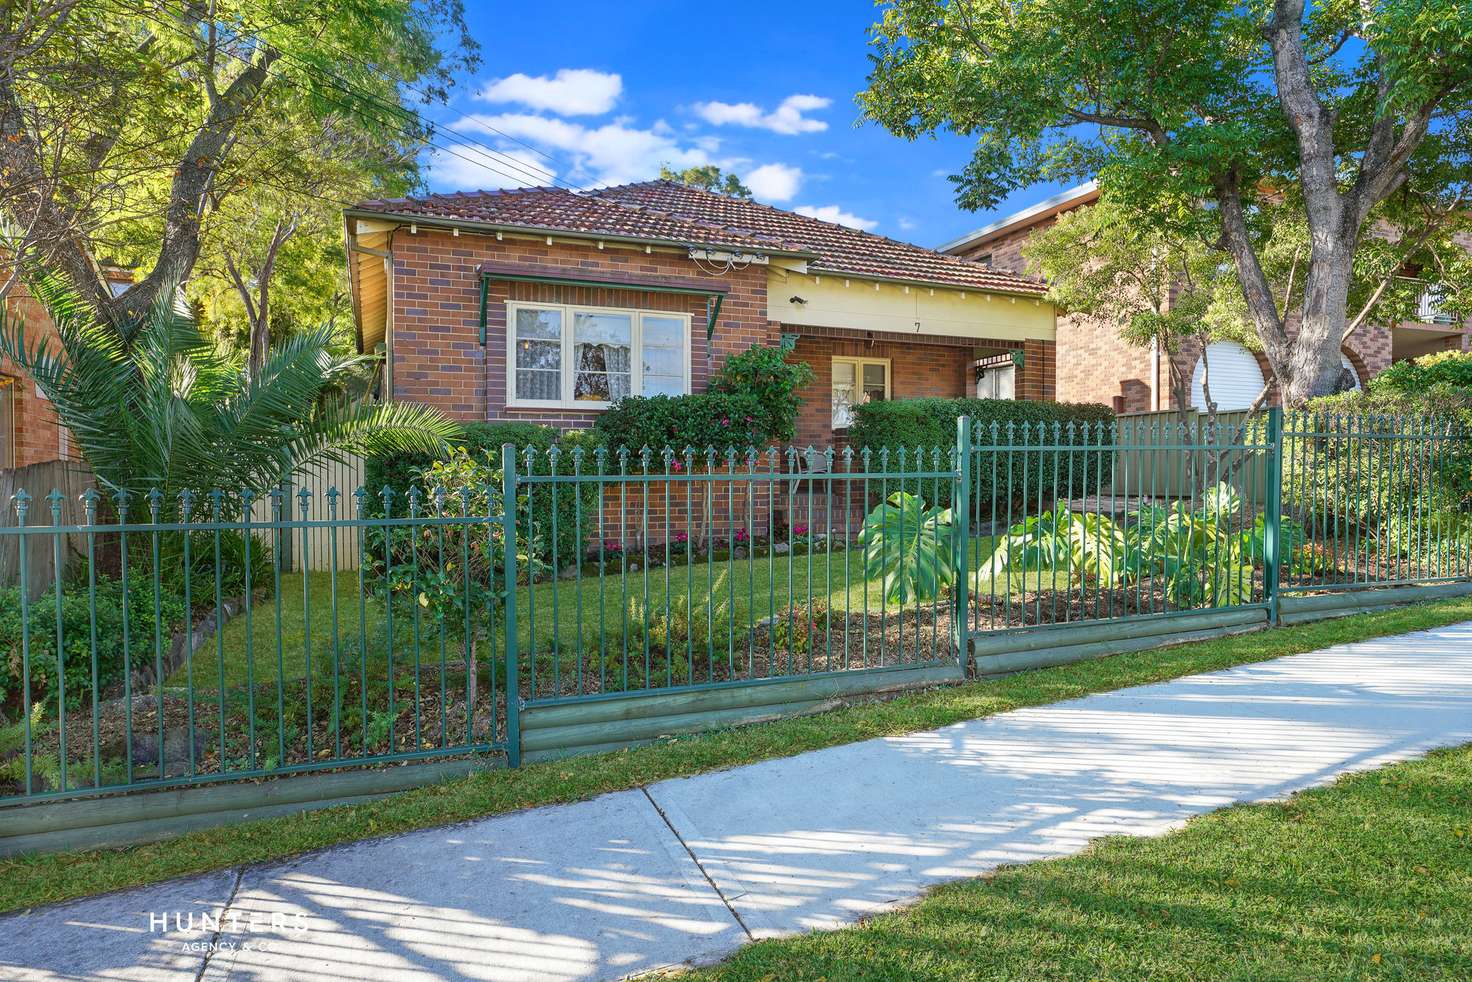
[(1313, 364)]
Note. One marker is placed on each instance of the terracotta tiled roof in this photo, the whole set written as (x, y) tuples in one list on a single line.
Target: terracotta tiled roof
[(671, 212), (838, 248), (558, 210)]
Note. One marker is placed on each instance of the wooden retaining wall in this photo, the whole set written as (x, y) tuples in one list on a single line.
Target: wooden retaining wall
[(148, 816), (1005, 652), (549, 732), (1315, 607)]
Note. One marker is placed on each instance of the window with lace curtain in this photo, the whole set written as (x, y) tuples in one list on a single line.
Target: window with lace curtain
[(591, 357)]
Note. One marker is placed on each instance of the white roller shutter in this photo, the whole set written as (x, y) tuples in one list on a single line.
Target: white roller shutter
[(1236, 378)]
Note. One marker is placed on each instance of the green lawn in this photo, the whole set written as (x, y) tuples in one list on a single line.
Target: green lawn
[(1370, 877), (754, 589), (27, 881)]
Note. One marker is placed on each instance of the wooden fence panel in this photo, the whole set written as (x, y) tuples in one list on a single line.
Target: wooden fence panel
[(346, 476), (1168, 472), (39, 480)]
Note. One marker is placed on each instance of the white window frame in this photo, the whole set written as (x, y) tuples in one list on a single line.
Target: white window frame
[(859, 364), (568, 312)]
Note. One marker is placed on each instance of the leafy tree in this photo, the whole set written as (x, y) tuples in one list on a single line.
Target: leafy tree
[(125, 131), (1152, 286), (154, 406), (707, 177), (1352, 113), (273, 261)]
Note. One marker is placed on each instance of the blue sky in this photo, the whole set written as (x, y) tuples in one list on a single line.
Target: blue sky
[(765, 92)]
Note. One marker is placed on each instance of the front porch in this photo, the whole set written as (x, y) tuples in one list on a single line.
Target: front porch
[(855, 366)]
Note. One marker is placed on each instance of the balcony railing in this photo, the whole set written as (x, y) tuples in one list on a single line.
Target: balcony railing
[(1429, 307)]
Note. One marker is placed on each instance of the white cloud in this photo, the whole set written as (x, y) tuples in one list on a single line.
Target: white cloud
[(473, 168), (774, 182), (614, 153), (571, 92), (907, 224), (835, 214), (787, 118)]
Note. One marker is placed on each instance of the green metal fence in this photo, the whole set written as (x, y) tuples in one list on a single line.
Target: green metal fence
[(1375, 500), (695, 569), (175, 650), (1136, 518), (169, 645)]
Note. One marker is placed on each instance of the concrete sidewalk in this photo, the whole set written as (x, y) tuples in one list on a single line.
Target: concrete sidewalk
[(690, 869)]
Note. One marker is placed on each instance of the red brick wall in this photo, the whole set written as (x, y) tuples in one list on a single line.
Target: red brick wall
[(1038, 379), (1094, 365), (1006, 251), (916, 371), (37, 436), (436, 308), (637, 513)]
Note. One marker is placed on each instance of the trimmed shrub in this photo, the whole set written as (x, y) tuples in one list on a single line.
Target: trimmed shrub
[(717, 419), (1383, 489), (752, 402), (76, 634), (931, 423), (401, 471), (1449, 368)]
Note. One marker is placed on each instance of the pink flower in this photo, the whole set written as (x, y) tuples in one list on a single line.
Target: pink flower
[(799, 530), (676, 467), (725, 420)]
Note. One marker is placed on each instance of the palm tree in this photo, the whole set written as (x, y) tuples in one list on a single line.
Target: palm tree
[(153, 405)]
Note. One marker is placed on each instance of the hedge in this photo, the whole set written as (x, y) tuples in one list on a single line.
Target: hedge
[(1444, 368), (1386, 488), (752, 402), (716, 419), (931, 423)]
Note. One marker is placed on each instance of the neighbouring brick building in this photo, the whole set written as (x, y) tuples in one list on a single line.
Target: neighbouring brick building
[(29, 431), (1094, 365), (547, 306)]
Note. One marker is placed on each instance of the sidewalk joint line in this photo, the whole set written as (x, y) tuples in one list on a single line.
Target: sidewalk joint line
[(698, 865), (209, 951)]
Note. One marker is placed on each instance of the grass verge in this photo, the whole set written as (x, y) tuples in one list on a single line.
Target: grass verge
[(30, 880), (1370, 877)]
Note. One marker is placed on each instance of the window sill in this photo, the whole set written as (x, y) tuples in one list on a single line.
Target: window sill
[(542, 407)]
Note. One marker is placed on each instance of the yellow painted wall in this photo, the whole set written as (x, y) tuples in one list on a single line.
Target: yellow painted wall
[(859, 306)]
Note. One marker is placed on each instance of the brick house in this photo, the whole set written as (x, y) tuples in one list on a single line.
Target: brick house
[(546, 306), (1138, 379), (29, 430)]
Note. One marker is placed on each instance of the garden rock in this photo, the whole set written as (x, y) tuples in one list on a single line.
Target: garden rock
[(781, 548), (176, 751)]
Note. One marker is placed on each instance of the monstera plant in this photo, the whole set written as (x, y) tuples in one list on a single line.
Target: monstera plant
[(1197, 554), (908, 547)]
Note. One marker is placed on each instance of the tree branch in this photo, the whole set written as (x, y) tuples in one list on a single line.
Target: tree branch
[(187, 195), (1256, 289)]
